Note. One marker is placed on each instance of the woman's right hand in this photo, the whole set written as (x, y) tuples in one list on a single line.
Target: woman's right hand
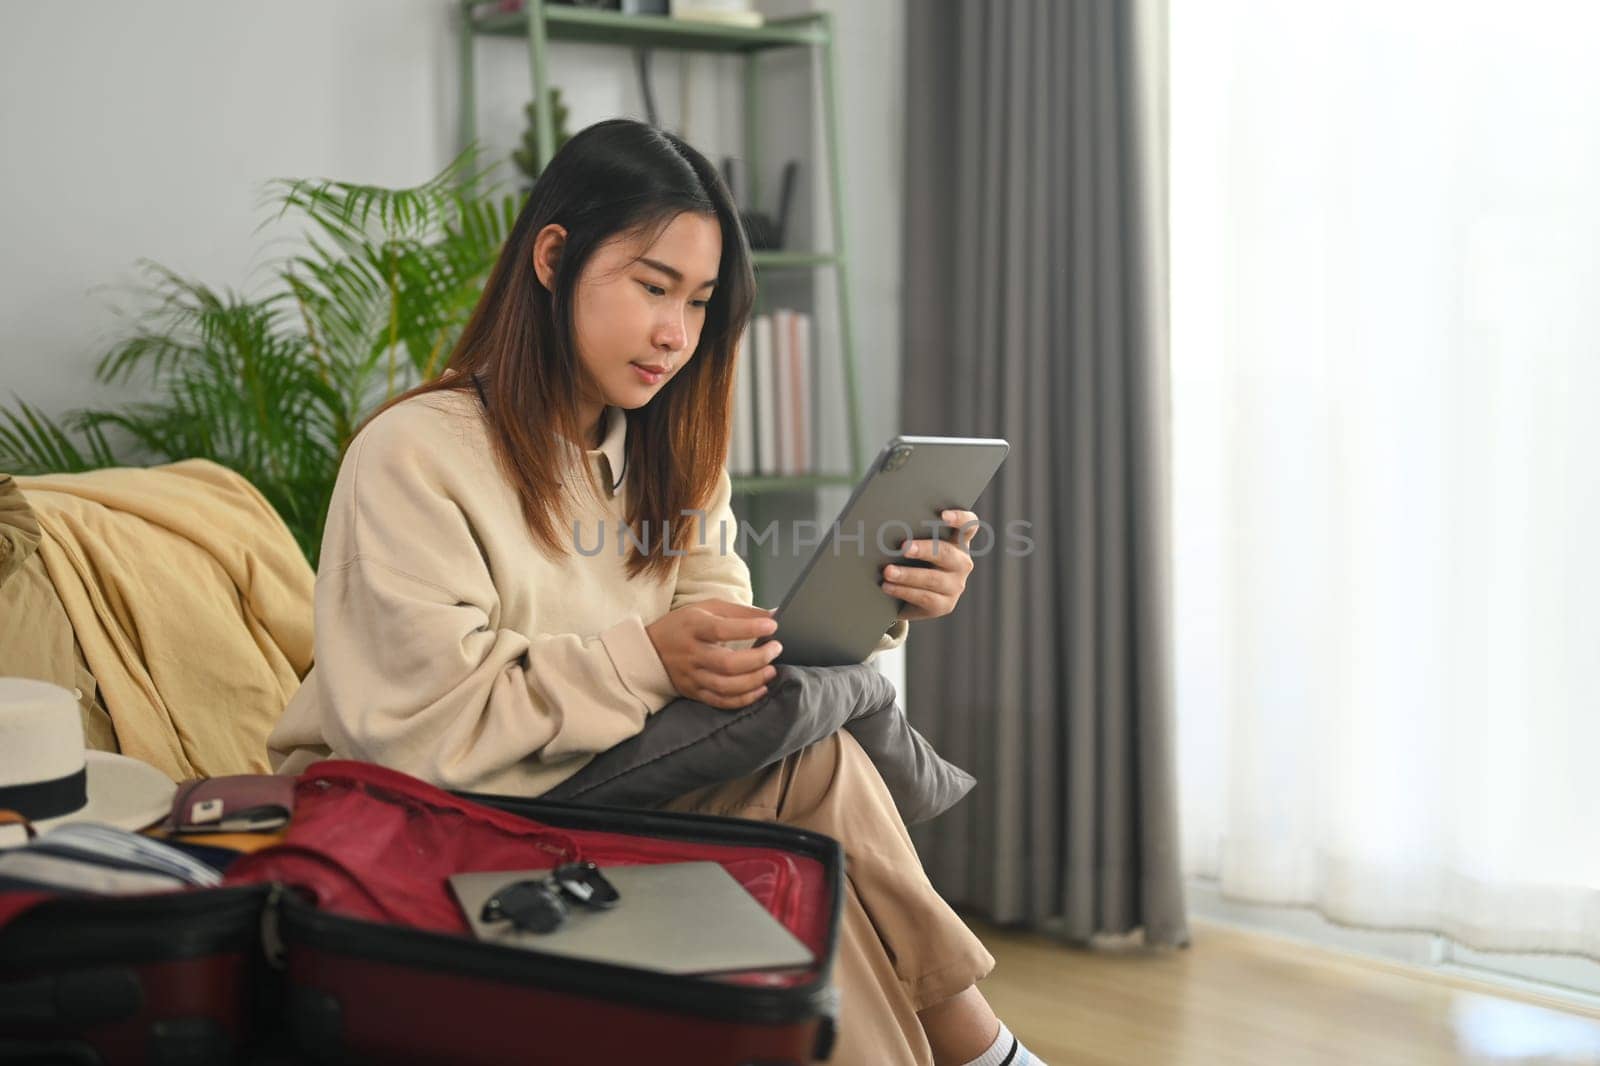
[(690, 642)]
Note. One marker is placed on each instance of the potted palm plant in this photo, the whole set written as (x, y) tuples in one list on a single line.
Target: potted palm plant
[(273, 385)]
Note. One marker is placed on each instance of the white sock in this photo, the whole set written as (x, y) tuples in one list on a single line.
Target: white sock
[(1007, 1050)]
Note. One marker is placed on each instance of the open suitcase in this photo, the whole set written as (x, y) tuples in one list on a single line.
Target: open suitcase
[(343, 944), (174, 978)]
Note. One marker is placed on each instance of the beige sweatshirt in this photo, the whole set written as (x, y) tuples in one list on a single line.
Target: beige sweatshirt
[(450, 646)]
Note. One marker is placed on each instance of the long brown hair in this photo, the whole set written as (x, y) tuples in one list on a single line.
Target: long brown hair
[(615, 178)]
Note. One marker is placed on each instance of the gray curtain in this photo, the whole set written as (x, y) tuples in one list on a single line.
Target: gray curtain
[(1035, 310)]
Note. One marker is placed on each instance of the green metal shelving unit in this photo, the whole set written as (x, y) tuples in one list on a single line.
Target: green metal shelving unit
[(542, 23)]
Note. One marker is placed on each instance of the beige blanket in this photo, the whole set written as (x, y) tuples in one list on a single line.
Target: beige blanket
[(192, 604), (36, 639)]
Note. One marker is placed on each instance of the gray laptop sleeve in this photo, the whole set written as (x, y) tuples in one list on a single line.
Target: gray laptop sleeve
[(687, 744)]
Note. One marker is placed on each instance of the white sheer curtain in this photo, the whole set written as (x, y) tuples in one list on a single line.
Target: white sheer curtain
[(1386, 393)]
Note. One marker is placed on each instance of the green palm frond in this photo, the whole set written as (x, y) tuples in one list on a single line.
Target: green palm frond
[(33, 443), (274, 385), (352, 215)]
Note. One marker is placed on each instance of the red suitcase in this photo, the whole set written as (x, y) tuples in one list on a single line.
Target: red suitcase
[(371, 959), (175, 978)]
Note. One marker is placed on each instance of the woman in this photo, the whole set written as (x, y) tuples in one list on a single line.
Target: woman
[(481, 624)]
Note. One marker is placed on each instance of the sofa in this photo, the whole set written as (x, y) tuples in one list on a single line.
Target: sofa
[(172, 600)]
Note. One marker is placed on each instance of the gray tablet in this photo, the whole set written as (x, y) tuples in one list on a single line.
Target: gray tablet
[(835, 613)]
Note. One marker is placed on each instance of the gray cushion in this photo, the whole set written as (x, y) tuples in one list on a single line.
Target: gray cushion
[(688, 745)]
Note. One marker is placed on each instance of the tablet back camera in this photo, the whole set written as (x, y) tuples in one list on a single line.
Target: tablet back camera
[(897, 458)]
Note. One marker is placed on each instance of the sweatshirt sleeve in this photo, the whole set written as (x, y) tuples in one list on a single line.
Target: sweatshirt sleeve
[(712, 569), (414, 671), (893, 637), (416, 678)]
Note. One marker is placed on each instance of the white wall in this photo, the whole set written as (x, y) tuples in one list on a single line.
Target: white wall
[(146, 131)]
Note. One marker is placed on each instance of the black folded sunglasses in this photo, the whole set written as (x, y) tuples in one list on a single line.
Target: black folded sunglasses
[(538, 905)]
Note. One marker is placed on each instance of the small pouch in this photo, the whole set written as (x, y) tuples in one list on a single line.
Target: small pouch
[(241, 803)]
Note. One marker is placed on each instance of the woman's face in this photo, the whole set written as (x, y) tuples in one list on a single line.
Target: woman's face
[(640, 306)]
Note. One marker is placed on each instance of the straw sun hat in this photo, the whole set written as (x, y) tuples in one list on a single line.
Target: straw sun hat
[(48, 777)]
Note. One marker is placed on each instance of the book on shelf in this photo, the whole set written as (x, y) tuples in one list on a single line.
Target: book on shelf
[(721, 12), (774, 419), (782, 384), (800, 392), (742, 449), (766, 396)]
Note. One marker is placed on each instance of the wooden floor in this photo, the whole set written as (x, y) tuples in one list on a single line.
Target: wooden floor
[(1238, 998)]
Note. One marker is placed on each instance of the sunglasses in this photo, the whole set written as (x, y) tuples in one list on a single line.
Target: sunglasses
[(538, 905)]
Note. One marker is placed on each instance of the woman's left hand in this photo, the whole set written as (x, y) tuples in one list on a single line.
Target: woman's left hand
[(933, 591)]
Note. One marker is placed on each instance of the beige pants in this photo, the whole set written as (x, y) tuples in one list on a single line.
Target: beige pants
[(901, 947)]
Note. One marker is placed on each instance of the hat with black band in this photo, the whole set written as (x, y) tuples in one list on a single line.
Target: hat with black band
[(48, 777)]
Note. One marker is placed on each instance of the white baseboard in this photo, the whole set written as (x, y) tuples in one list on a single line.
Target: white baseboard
[(1570, 980), (1307, 926)]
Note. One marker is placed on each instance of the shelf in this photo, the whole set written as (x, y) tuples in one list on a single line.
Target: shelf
[(588, 26), (767, 260), (798, 483)]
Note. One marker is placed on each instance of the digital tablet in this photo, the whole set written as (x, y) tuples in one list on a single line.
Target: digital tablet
[(835, 613)]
